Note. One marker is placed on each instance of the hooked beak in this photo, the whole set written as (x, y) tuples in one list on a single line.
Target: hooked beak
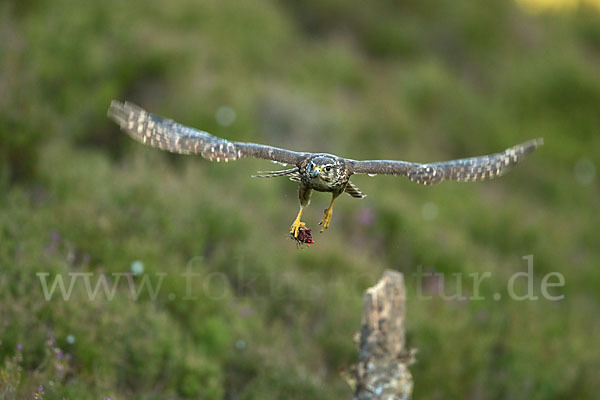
[(316, 171)]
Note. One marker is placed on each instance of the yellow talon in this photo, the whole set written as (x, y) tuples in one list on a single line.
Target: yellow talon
[(297, 224), (328, 212), (296, 227), (326, 218)]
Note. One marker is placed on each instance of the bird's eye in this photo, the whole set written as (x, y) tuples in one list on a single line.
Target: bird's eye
[(328, 168)]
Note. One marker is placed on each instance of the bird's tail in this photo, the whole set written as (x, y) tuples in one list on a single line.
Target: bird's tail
[(274, 174)]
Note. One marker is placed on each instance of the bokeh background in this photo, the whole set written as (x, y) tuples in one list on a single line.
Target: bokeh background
[(415, 80)]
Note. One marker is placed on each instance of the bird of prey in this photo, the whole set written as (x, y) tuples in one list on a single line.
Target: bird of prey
[(313, 171)]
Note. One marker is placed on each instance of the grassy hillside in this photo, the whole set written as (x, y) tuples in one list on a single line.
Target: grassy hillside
[(420, 81)]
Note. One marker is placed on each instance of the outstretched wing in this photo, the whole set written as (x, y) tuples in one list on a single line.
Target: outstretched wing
[(169, 135), (465, 170)]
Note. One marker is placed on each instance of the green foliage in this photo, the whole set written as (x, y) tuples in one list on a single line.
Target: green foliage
[(414, 80)]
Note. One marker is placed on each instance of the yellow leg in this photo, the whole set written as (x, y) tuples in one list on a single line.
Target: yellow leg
[(327, 216), (297, 224)]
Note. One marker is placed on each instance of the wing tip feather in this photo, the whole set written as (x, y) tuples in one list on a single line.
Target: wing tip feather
[(121, 111), (533, 144), (537, 142), (116, 112)]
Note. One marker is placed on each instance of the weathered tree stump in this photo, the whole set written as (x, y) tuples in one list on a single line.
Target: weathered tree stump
[(382, 369)]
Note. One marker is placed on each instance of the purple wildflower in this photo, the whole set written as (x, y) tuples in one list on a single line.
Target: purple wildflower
[(55, 236), (19, 347), (366, 217)]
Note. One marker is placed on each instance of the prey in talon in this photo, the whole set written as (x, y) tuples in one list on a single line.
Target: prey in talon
[(320, 172), (303, 236)]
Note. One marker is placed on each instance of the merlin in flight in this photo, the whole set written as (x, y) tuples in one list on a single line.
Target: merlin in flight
[(313, 171)]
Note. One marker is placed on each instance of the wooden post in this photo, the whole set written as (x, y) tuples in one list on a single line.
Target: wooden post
[(382, 369)]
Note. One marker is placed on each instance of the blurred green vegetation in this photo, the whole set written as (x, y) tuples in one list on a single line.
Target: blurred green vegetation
[(415, 80)]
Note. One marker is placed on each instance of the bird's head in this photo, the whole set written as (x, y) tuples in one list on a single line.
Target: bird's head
[(323, 168)]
